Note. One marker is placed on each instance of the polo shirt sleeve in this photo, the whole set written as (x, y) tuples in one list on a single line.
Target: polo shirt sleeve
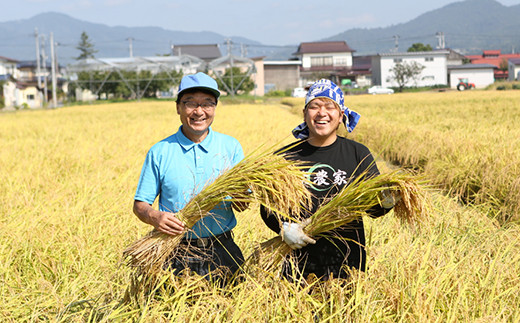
[(148, 187), (239, 154)]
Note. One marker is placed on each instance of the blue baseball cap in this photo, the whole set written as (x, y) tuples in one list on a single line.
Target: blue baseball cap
[(199, 81)]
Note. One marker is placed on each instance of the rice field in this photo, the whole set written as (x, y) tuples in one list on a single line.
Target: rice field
[(67, 179)]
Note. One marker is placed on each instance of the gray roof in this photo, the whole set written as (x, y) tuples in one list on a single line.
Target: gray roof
[(471, 66), (515, 61), (433, 52), (205, 52)]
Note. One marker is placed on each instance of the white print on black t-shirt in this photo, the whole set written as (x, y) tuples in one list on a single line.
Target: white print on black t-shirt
[(323, 176)]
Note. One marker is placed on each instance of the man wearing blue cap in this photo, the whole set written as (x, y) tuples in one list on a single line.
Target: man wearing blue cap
[(333, 162), (178, 167)]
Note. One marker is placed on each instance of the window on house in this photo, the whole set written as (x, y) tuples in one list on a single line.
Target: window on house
[(321, 61), (428, 78), (398, 60), (30, 97), (341, 61), (428, 59)]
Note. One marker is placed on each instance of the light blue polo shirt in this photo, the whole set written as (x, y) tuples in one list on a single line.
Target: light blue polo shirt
[(176, 169)]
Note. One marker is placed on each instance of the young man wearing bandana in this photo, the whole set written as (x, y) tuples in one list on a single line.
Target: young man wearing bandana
[(333, 161)]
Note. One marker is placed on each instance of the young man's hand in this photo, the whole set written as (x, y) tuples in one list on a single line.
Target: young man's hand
[(292, 234)]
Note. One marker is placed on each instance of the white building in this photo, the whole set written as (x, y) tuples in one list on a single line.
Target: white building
[(481, 75), (434, 73), (513, 66), (8, 67)]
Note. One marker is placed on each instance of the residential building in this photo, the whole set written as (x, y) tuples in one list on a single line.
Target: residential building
[(8, 66), (435, 65), (361, 71), (496, 58), (330, 59), (514, 69)]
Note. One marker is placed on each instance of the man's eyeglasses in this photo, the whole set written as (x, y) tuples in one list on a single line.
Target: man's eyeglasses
[(206, 106)]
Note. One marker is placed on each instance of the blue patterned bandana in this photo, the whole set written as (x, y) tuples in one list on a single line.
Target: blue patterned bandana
[(326, 89)]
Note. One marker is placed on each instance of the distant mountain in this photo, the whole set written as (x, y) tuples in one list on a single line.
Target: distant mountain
[(469, 26), (17, 39)]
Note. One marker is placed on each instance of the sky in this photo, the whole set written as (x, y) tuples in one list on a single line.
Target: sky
[(271, 22)]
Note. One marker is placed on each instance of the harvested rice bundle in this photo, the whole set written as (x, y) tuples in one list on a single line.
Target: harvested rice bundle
[(350, 203), (270, 180)]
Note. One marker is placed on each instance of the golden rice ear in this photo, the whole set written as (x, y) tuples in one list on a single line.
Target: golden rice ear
[(261, 177), (352, 202)]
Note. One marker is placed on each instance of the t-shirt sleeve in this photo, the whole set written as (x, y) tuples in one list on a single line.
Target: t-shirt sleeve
[(270, 219), (366, 162), (148, 187)]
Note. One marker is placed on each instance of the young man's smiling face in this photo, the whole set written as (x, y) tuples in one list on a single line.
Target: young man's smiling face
[(196, 111), (323, 117)]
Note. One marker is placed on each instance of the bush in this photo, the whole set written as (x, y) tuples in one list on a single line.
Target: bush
[(516, 86), (278, 93), (501, 87)]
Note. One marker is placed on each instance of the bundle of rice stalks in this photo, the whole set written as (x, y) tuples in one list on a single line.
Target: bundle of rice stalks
[(350, 203), (261, 177)]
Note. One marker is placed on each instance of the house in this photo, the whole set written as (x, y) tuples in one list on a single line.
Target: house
[(435, 65), (455, 58), (361, 70), (329, 59), (496, 58), (8, 67), (206, 52), (8, 74), (481, 75), (513, 69), (282, 75)]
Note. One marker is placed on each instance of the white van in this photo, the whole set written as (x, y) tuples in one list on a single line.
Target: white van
[(299, 92)]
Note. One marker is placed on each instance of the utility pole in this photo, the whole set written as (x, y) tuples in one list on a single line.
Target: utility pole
[(130, 49), (396, 40), (53, 73), (44, 66), (38, 71), (243, 50), (228, 41), (440, 37)]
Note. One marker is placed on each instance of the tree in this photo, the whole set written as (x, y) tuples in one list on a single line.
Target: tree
[(402, 73), (2, 99), (234, 80), (85, 47), (420, 47), (503, 66)]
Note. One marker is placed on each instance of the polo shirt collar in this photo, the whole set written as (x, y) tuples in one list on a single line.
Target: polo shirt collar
[(187, 144)]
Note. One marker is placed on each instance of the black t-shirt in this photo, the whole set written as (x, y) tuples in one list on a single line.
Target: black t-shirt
[(331, 168)]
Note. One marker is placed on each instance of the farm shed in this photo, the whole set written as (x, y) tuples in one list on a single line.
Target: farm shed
[(481, 75), (186, 63), (282, 75)]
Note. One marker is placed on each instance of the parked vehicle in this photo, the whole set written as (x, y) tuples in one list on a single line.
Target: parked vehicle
[(465, 85), (378, 89), (299, 92)]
